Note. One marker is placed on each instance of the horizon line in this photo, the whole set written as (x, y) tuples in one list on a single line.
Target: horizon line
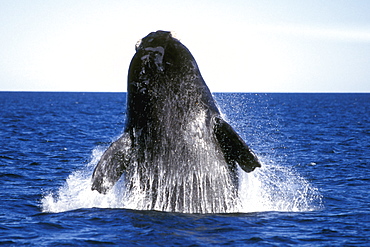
[(252, 92)]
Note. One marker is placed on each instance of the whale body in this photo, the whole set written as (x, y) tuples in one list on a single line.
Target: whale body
[(176, 152)]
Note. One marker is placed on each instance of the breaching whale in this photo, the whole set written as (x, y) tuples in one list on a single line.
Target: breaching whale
[(176, 153)]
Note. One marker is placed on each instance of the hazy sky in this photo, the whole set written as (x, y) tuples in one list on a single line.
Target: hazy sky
[(240, 46)]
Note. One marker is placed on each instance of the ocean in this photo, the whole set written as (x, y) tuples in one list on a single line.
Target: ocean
[(312, 189)]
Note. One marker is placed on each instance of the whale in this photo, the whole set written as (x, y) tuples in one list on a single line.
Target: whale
[(176, 153)]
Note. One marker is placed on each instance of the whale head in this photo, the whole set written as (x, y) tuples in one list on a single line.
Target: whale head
[(163, 72), (159, 58)]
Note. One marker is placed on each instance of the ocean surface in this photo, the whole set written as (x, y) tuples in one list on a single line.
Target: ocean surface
[(313, 188)]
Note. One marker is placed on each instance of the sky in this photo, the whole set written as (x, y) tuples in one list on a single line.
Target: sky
[(239, 45)]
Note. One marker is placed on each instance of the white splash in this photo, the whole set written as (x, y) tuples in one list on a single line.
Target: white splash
[(277, 188), (76, 192), (270, 188)]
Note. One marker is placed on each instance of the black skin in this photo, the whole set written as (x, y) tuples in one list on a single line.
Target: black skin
[(165, 86)]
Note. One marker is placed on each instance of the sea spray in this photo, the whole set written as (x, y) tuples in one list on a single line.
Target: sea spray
[(270, 188), (189, 177), (76, 192), (277, 188)]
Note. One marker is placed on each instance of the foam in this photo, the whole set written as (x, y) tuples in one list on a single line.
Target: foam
[(270, 188)]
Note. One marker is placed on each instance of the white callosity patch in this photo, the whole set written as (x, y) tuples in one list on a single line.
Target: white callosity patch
[(156, 54), (138, 43)]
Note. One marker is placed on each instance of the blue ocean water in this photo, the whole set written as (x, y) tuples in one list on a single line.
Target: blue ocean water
[(313, 188)]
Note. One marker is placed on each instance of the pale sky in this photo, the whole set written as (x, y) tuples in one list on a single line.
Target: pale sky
[(239, 45)]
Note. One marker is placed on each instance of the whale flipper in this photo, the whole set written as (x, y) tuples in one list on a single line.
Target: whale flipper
[(112, 164), (233, 147)]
